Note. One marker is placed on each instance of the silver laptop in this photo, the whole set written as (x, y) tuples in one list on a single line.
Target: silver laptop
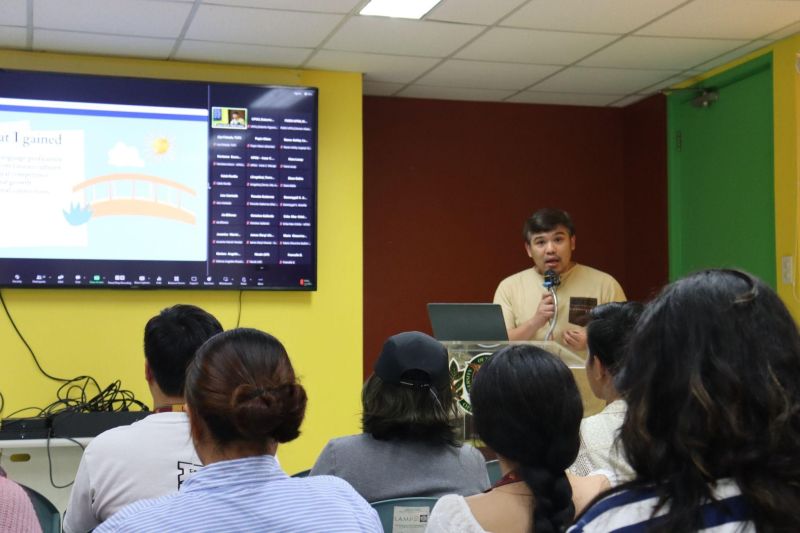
[(467, 322)]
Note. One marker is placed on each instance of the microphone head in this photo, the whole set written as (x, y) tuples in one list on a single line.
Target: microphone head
[(551, 279)]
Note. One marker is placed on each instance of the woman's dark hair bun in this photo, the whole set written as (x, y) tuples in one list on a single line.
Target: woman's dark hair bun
[(259, 413), (243, 387)]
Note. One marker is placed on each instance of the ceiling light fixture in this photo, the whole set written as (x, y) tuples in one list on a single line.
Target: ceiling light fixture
[(406, 9)]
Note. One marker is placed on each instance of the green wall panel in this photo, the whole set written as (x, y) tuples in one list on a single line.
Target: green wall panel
[(721, 184)]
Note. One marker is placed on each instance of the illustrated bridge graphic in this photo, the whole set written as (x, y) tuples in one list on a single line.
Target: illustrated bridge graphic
[(105, 198)]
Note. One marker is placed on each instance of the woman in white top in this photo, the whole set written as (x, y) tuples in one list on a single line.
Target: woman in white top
[(527, 409), (607, 333)]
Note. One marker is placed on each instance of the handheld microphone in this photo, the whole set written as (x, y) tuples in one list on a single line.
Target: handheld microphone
[(551, 281)]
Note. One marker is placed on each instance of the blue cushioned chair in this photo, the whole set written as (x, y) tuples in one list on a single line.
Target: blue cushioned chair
[(386, 509), (46, 512), (493, 467)]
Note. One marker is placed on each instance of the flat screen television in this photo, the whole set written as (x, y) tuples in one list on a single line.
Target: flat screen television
[(142, 183)]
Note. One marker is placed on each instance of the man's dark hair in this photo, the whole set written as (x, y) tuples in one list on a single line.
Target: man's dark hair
[(397, 412), (547, 219), (171, 339)]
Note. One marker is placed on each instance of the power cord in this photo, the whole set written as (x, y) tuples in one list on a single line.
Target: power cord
[(76, 395), (239, 315), (25, 342)]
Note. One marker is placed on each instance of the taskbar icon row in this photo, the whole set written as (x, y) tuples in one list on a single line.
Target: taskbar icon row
[(142, 280)]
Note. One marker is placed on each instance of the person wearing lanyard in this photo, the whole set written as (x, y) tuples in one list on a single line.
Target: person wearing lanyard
[(155, 455), (527, 409)]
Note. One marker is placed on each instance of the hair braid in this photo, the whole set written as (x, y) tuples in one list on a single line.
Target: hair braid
[(553, 509)]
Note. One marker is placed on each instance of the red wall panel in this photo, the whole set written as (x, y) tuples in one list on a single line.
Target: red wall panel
[(448, 185), (646, 255)]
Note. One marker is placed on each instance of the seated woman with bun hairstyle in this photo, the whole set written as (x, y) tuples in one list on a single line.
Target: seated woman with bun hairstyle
[(527, 409), (243, 399)]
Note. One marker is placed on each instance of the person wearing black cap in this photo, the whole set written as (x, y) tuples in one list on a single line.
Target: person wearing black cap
[(409, 446)]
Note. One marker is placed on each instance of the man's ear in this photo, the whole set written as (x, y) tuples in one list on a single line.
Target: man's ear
[(572, 243), (528, 249), (148, 374)]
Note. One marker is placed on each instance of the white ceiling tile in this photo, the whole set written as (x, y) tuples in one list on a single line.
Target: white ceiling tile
[(602, 80), (473, 11), (484, 75), (14, 12), (628, 100), (13, 37), (455, 93), (242, 53), (145, 18), (787, 31), (609, 16), (730, 56), (379, 88), (726, 19), (376, 67), (259, 26), (539, 97), (318, 6), (660, 52), (401, 37), (91, 43), (533, 46)]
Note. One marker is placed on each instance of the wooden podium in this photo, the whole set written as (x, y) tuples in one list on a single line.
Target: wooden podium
[(466, 358)]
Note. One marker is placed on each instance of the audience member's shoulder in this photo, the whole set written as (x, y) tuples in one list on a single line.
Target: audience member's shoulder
[(613, 509), (16, 510), (350, 439), (117, 435), (471, 452), (351, 442), (123, 519), (328, 484)]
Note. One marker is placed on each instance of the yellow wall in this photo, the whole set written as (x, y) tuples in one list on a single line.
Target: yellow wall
[(786, 106), (786, 89), (99, 332)]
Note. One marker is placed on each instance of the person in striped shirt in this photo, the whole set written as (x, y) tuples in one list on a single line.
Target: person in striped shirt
[(243, 399), (712, 381)]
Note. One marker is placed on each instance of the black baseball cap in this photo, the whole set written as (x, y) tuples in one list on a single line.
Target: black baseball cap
[(413, 359)]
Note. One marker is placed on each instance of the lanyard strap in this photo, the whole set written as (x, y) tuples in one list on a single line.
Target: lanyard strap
[(174, 408), (509, 478)]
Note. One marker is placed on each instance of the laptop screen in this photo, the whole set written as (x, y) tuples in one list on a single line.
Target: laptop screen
[(467, 322)]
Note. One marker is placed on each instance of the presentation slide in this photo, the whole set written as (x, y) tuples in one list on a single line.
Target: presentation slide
[(150, 183), (103, 181)]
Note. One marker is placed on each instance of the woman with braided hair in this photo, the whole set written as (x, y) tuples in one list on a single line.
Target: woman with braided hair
[(712, 381), (243, 399), (528, 410)]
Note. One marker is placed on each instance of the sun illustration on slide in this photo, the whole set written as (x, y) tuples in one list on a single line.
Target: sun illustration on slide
[(160, 145)]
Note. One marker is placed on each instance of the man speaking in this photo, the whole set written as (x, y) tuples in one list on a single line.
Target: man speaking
[(527, 297)]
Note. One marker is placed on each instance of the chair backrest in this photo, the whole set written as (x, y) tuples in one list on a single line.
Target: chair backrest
[(410, 513), (493, 468), (302, 473), (49, 517)]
